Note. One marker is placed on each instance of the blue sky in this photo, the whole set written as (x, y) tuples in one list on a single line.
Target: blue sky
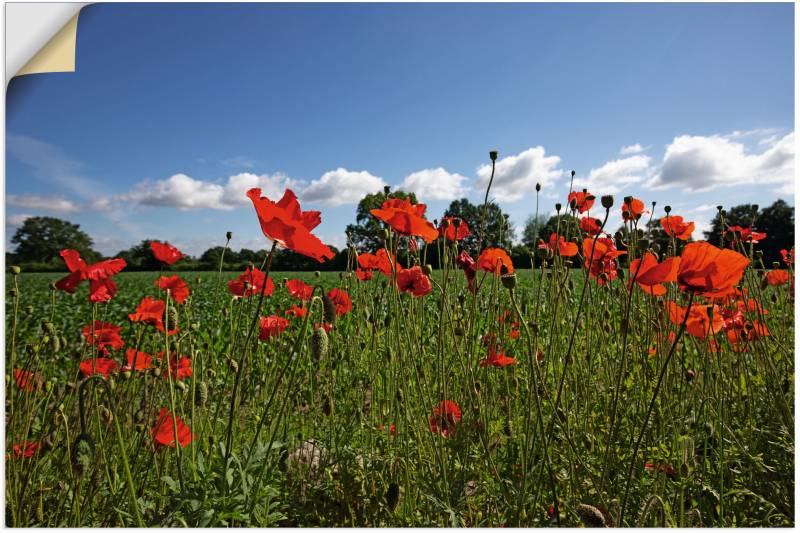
[(175, 110)]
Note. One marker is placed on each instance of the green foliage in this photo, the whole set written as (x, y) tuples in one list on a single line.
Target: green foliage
[(41, 239), (499, 231), (776, 220)]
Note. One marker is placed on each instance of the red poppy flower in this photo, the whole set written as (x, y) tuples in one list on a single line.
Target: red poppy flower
[(740, 334), (165, 252), (326, 326), (299, 289), (272, 326), (364, 275), (590, 225), (747, 234), (105, 335), (495, 260), (26, 450), (137, 360), (674, 226), (379, 261), (445, 418), (406, 218), (178, 289), (284, 223), (583, 200), (632, 211), (603, 260), (163, 433), (700, 323), (652, 274), (514, 333), (559, 244), (99, 365), (382, 428), (251, 283), (27, 380), (413, 280), (497, 358), (101, 287), (710, 271), (662, 467), (777, 277), (341, 300), (451, 233), (788, 256), (467, 264), (180, 368), (298, 312), (151, 311)]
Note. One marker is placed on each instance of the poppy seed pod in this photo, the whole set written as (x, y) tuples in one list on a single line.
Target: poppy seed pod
[(229, 235), (607, 201), (427, 270), (558, 208), (319, 344), (538, 186), (387, 189), (328, 309), (15, 270), (383, 233), (509, 281), (181, 385), (317, 273), (493, 155), (667, 209)]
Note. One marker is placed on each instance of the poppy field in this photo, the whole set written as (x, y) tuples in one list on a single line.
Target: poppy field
[(612, 382)]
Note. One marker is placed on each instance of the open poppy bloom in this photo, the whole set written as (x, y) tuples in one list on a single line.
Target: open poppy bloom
[(406, 218), (497, 358), (633, 210), (101, 287), (747, 234), (272, 326), (451, 232), (105, 335), (777, 277), (165, 253), (559, 244), (710, 271), (251, 283), (788, 256), (445, 418), (590, 225), (178, 289), (414, 281), (700, 323), (674, 226), (364, 275), (99, 365), (603, 260), (27, 380), (300, 290), (741, 333), (137, 360), (163, 433), (495, 260), (651, 274), (179, 368), (284, 223), (341, 300), (583, 201), (379, 261), (151, 311), (467, 264), (26, 450), (298, 312)]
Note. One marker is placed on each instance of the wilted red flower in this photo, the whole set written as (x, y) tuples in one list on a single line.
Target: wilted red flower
[(341, 300), (163, 433), (364, 275), (777, 277), (299, 289), (674, 226), (662, 467), (99, 365), (414, 281), (603, 260), (379, 261), (467, 264), (710, 271), (180, 368), (451, 233), (444, 418), (178, 289), (652, 274), (590, 225), (788, 256), (105, 335), (26, 450), (101, 287), (165, 253), (497, 358), (700, 323), (27, 380), (406, 218), (747, 234), (151, 311), (559, 244), (137, 360), (633, 211), (295, 311), (495, 260), (272, 326), (583, 200), (284, 223), (251, 283)]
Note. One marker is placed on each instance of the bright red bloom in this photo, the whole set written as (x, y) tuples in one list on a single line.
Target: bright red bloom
[(497, 358), (151, 311), (27, 380), (559, 244), (633, 211), (777, 277), (137, 360), (451, 233), (652, 274), (788, 256), (165, 253), (406, 218), (700, 323), (379, 261), (382, 428), (583, 200), (603, 260), (26, 450), (467, 264), (284, 223), (105, 335), (101, 287), (99, 365), (495, 260), (445, 418), (674, 226), (710, 271), (298, 312), (178, 289), (590, 225), (163, 433), (300, 290), (413, 280), (179, 368), (341, 300), (747, 234), (272, 326), (364, 275), (741, 333), (251, 283)]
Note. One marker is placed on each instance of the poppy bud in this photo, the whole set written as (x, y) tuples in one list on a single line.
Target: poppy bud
[(558, 208), (383, 234), (590, 515), (55, 344), (493, 155), (317, 274), (157, 372), (509, 281), (234, 366), (667, 209), (690, 375), (106, 415), (538, 186), (319, 344), (83, 451), (15, 270), (427, 270), (607, 201), (387, 189), (229, 235), (627, 200), (328, 309)]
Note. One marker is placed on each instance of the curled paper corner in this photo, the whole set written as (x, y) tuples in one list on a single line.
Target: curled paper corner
[(58, 55)]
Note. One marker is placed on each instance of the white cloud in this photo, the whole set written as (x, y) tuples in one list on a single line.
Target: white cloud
[(700, 163), (271, 185), (516, 176), (180, 191), (342, 186), (435, 184), (633, 149), (53, 204), (15, 221), (612, 176)]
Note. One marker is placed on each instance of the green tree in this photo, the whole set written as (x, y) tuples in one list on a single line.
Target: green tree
[(776, 220), (530, 234), (41, 239), (140, 257), (364, 233), (499, 230), (567, 226)]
